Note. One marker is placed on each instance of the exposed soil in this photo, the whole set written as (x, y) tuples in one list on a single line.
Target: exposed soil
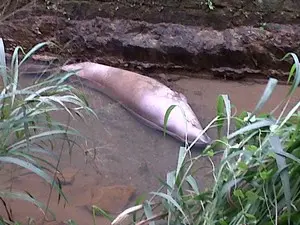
[(235, 40)]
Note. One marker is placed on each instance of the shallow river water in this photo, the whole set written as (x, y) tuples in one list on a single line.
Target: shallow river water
[(127, 154)]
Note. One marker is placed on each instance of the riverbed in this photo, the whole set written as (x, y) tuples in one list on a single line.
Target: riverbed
[(122, 157)]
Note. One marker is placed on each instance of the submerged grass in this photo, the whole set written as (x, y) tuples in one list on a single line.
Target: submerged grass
[(27, 128), (257, 179)]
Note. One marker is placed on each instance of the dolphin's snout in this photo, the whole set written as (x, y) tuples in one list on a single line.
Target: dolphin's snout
[(205, 138), (203, 141)]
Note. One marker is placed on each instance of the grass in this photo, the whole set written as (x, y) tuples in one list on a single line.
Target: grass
[(257, 179), (28, 131)]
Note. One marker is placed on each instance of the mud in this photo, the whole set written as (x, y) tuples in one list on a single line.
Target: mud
[(224, 14), (131, 35)]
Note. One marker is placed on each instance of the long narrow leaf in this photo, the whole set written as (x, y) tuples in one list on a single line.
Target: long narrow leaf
[(171, 200), (297, 74), (169, 110), (181, 157), (24, 197), (3, 65), (289, 115), (281, 164), (256, 125), (32, 168), (266, 95), (44, 136), (148, 211), (33, 50)]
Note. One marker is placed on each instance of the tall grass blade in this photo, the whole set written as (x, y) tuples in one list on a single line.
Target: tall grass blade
[(223, 102), (228, 111), (289, 115), (220, 114), (71, 222), (291, 74), (166, 117), (98, 211), (148, 212), (181, 157), (171, 200), (15, 72), (266, 96), (171, 180), (253, 126), (296, 82), (193, 183), (33, 50), (44, 136), (3, 65), (281, 164), (24, 197), (32, 168)]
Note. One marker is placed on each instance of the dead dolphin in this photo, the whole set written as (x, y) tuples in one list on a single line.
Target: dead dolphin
[(146, 98)]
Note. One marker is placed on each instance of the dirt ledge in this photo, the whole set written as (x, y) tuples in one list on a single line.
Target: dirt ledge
[(233, 53)]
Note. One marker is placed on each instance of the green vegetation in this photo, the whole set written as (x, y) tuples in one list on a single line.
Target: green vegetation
[(210, 4), (28, 132), (257, 179)]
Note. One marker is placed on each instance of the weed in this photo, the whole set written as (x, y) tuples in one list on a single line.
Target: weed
[(256, 180), (27, 128)]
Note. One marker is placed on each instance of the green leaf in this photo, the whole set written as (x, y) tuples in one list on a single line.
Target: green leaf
[(240, 120), (33, 50), (71, 222), (266, 95), (253, 126), (24, 197), (223, 222), (171, 200), (291, 74), (210, 153), (223, 102), (140, 199), (250, 216), (289, 115), (181, 157), (251, 196), (265, 175), (281, 164), (33, 169), (171, 181), (297, 74), (166, 117), (148, 212), (193, 183), (15, 73), (243, 166), (100, 212), (3, 66), (238, 193), (220, 114), (228, 111)]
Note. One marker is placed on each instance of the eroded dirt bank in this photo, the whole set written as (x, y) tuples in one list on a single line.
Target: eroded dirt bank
[(237, 39)]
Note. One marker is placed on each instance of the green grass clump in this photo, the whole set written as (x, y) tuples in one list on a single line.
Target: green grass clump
[(257, 179), (27, 129)]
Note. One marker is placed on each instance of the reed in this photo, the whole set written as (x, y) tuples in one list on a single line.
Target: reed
[(27, 128)]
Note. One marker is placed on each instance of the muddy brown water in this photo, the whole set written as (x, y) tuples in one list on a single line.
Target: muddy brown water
[(125, 154)]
